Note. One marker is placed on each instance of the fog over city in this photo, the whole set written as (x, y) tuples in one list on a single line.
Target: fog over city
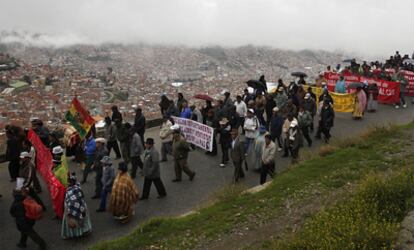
[(371, 28)]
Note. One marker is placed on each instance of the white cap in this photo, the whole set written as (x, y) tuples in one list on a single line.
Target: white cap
[(101, 140), (25, 155), (293, 123), (175, 127), (307, 96), (251, 111), (57, 150), (250, 90), (19, 183), (275, 109)]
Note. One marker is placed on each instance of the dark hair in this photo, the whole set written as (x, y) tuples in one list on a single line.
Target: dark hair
[(268, 136)]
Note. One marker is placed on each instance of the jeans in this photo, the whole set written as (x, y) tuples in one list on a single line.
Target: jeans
[(249, 141), (166, 148), (104, 195), (225, 153), (402, 98)]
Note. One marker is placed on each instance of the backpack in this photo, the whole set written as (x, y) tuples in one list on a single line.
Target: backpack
[(33, 210)]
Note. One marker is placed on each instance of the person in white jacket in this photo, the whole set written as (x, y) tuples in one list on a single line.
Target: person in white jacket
[(268, 159), (241, 109), (251, 126), (166, 137)]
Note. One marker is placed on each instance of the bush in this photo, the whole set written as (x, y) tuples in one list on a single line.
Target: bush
[(368, 220)]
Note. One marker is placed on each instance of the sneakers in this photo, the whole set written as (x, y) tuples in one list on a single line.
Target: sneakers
[(397, 106), (405, 105), (222, 165), (279, 149)]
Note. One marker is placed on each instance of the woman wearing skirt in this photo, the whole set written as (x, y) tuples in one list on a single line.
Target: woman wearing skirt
[(372, 98), (76, 221)]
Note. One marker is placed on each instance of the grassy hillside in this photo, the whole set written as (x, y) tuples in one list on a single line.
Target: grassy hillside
[(311, 193)]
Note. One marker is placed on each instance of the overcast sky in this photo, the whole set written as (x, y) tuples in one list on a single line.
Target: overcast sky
[(368, 27)]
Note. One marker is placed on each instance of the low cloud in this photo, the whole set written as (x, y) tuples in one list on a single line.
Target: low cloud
[(366, 27)]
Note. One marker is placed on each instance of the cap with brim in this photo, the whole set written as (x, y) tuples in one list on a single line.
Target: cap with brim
[(57, 150), (275, 109), (175, 127), (251, 111), (106, 160), (25, 155), (307, 96), (100, 140)]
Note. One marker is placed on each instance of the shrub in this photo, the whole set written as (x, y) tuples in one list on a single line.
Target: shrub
[(368, 220)]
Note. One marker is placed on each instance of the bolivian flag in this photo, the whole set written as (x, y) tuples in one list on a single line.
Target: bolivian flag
[(79, 118)]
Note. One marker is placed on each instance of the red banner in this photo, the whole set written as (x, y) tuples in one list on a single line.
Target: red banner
[(44, 165), (389, 92), (409, 75)]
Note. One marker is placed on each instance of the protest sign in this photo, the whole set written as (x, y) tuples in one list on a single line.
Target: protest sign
[(343, 103), (196, 133)]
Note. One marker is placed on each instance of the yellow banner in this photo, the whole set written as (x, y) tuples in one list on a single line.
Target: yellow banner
[(342, 102)]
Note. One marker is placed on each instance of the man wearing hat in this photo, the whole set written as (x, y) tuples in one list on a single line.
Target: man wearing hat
[(28, 171), (180, 149), (108, 176), (152, 171), (225, 140), (101, 152)]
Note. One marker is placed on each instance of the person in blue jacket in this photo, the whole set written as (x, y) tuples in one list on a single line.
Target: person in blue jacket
[(90, 150), (340, 86), (186, 112)]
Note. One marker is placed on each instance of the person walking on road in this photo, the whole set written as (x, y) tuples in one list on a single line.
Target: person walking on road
[(101, 152), (23, 223), (268, 159), (110, 136), (237, 154), (225, 140), (123, 136), (152, 171), (139, 124), (12, 155), (276, 124), (108, 176), (28, 172), (251, 126), (166, 137), (295, 140), (90, 150), (136, 150), (327, 120), (180, 149), (76, 222), (305, 121), (124, 195)]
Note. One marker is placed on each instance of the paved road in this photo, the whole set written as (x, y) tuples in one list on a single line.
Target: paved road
[(182, 197)]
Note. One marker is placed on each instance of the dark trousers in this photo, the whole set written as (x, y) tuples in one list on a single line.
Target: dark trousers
[(305, 132), (14, 169), (241, 122), (141, 135), (158, 185), (402, 98), (166, 148), (225, 153), (286, 147), (34, 236), (326, 132), (311, 125), (267, 169), (180, 166), (136, 162), (277, 139), (33, 194), (36, 184), (214, 151), (294, 151), (319, 131), (259, 114), (113, 145), (238, 171), (98, 181), (89, 162), (104, 195)]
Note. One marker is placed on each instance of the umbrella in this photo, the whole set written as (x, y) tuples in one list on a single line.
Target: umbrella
[(348, 60), (204, 97), (355, 85), (299, 74), (256, 84)]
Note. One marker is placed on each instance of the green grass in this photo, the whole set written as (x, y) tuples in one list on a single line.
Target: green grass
[(348, 162)]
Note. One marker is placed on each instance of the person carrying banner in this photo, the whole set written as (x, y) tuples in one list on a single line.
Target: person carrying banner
[(180, 149)]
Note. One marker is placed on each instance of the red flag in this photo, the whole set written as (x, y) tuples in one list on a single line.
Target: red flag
[(44, 165)]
